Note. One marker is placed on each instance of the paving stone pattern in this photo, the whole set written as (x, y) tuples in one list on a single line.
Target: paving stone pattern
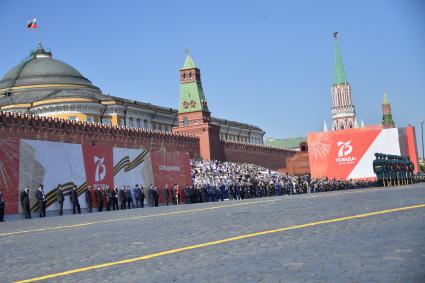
[(381, 248)]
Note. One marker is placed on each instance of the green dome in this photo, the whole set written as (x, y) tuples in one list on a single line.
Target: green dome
[(42, 69)]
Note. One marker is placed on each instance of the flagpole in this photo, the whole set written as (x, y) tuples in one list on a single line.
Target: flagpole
[(38, 35)]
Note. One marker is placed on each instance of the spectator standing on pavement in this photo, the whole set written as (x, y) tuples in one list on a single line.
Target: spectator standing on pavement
[(166, 194), (74, 200), (99, 198), (2, 205), (176, 194), (123, 198), (89, 199), (41, 201), (152, 195), (129, 197), (136, 193), (60, 198), (108, 194), (142, 195), (186, 192), (25, 202), (115, 199)]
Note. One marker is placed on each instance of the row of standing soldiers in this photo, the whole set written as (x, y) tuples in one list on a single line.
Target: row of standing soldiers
[(393, 170)]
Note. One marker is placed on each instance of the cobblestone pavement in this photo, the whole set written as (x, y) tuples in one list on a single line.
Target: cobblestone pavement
[(380, 248)]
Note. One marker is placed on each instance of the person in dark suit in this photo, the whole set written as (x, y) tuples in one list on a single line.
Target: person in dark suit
[(123, 198), (142, 195), (186, 192), (108, 194), (176, 193), (60, 199), (41, 201), (89, 199), (99, 197), (74, 200), (166, 194), (152, 195), (25, 202), (115, 199), (129, 197), (1, 205), (136, 194), (156, 194)]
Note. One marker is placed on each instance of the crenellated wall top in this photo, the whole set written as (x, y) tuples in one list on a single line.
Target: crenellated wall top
[(18, 120)]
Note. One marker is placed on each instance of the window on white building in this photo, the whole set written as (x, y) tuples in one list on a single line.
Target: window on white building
[(73, 118), (138, 123), (90, 119)]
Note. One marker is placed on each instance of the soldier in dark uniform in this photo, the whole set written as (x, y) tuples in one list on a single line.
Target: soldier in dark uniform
[(411, 168), (2, 205), (99, 198), (378, 168), (89, 198), (402, 171), (41, 201), (74, 200), (385, 171), (396, 170), (60, 198), (166, 194), (25, 202)]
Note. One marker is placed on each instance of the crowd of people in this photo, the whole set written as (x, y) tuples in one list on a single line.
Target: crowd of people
[(211, 181), (244, 180)]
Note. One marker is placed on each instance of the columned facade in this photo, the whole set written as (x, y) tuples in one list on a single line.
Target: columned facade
[(44, 86)]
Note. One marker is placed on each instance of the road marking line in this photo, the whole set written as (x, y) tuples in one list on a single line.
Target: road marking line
[(303, 196), (217, 242), (137, 217)]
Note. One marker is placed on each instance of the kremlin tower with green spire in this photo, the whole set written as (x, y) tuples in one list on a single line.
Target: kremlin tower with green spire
[(343, 110), (193, 114), (387, 117)]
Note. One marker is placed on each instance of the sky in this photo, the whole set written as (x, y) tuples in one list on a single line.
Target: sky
[(267, 63)]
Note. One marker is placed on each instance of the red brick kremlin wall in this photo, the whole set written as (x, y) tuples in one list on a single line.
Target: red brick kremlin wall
[(266, 156), (23, 126)]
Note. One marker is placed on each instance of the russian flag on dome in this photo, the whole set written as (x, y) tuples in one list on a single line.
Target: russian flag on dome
[(32, 24)]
